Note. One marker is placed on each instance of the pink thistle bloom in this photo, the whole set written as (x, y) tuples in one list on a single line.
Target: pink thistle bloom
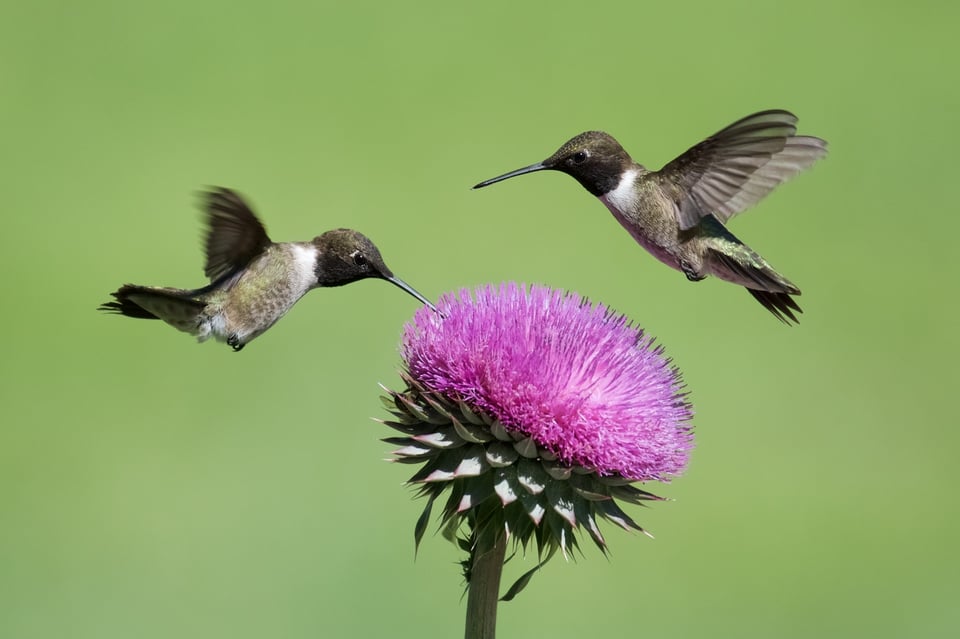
[(535, 412), (578, 379)]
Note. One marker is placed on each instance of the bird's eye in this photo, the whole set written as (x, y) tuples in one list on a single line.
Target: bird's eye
[(358, 258), (580, 157)]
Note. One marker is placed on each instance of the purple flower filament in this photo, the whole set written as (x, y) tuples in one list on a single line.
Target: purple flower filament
[(577, 378)]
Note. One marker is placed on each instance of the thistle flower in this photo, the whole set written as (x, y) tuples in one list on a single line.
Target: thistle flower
[(537, 411)]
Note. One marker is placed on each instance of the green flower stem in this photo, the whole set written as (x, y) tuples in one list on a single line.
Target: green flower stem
[(484, 590)]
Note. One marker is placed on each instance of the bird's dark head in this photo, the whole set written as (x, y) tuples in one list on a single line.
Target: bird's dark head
[(345, 256), (594, 158)]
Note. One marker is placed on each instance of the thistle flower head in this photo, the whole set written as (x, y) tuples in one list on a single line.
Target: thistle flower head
[(577, 379), (537, 410)]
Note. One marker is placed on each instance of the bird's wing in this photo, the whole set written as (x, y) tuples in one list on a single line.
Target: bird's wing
[(735, 168), (234, 235)]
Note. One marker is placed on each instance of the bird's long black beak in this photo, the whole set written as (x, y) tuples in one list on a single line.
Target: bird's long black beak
[(409, 289), (539, 166)]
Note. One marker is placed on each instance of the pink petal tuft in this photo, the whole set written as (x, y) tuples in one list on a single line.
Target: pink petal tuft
[(575, 377)]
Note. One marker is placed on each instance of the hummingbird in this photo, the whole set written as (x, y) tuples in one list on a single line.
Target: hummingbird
[(253, 281), (679, 213)]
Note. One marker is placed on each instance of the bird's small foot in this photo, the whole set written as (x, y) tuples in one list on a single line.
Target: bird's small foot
[(234, 342), (690, 272)]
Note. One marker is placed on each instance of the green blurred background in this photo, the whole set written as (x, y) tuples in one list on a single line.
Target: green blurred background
[(154, 487)]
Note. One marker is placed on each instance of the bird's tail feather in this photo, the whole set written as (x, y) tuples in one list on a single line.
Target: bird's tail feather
[(780, 304), (766, 285), (176, 307)]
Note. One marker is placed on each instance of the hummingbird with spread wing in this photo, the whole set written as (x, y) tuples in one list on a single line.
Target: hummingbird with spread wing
[(253, 281), (679, 213)]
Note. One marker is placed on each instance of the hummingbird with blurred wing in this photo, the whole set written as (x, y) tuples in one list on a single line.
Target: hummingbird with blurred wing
[(679, 213), (253, 281)]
